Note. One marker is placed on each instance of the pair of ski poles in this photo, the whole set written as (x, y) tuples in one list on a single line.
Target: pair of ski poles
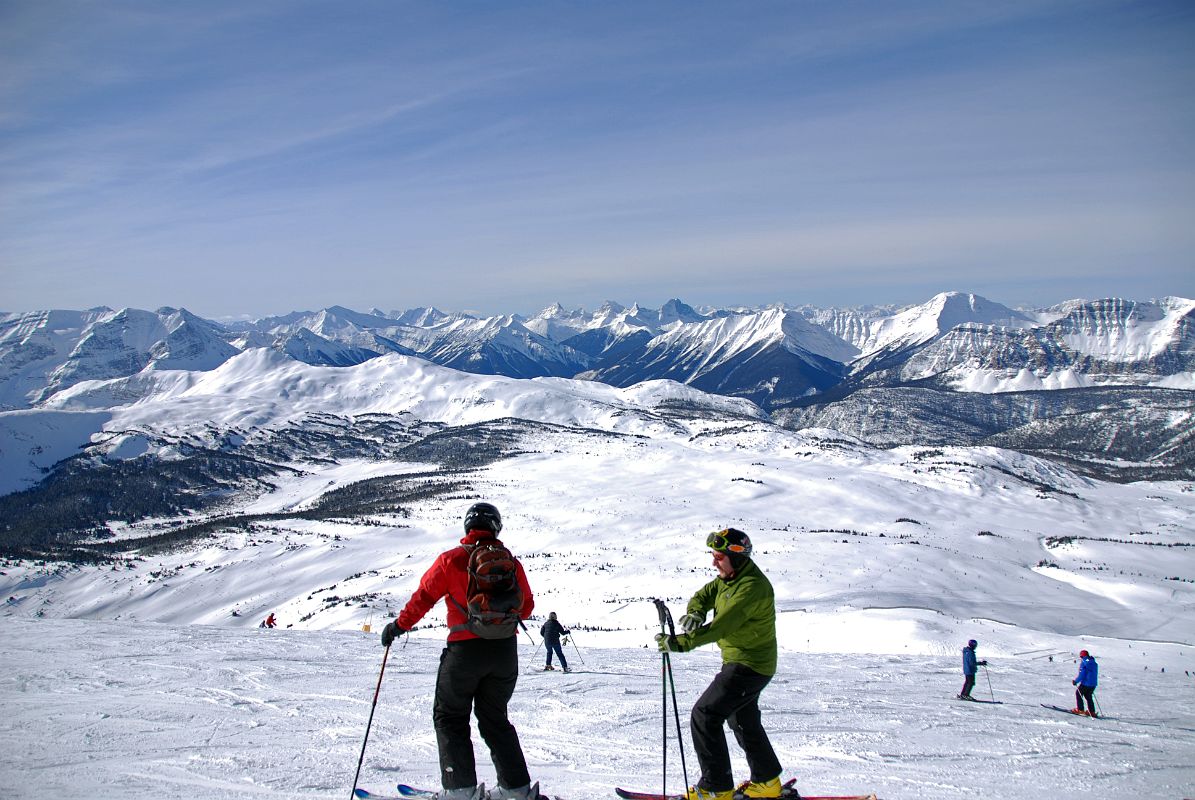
[(378, 689), (666, 681)]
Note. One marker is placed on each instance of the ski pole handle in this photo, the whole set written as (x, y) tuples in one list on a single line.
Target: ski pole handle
[(665, 616)]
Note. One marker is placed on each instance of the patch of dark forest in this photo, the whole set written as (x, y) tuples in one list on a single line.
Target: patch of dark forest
[(62, 517)]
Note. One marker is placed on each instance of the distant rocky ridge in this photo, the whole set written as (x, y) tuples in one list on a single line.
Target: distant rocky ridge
[(1096, 381)]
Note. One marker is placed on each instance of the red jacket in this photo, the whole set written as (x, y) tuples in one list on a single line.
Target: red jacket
[(449, 576)]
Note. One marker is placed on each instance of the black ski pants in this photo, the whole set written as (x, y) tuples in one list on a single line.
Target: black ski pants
[(968, 685), (479, 676), (1085, 693), (732, 698)]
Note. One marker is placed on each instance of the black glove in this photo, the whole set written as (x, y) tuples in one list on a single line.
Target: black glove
[(391, 632), (983, 663), (1074, 683), (667, 644)]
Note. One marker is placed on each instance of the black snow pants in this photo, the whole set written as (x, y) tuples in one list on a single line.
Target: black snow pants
[(968, 685), (732, 698), (1085, 693), (478, 675)]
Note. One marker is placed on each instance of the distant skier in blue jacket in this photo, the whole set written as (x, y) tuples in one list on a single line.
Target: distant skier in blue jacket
[(970, 666), (1085, 683)]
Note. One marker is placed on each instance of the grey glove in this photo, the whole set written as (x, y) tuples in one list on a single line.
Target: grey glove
[(691, 622), (667, 644)]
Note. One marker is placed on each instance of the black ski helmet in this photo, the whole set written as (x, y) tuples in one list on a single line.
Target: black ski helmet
[(972, 643), (483, 516), (730, 541), (735, 544)]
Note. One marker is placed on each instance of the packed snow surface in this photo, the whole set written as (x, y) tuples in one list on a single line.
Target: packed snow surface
[(142, 711)]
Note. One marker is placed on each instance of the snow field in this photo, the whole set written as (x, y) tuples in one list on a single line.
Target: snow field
[(137, 710)]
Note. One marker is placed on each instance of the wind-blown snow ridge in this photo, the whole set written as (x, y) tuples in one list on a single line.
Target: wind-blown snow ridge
[(262, 387)]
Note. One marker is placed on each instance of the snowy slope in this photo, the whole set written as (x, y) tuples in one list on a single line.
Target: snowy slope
[(141, 711), (628, 469), (262, 388)]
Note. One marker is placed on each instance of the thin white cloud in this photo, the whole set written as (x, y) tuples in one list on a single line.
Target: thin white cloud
[(637, 142)]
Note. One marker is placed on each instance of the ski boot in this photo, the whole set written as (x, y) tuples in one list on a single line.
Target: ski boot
[(697, 793), (549, 668), (529, 792), (768, 789)]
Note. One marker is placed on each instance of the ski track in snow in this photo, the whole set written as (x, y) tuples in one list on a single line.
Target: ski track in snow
[(107, 709)]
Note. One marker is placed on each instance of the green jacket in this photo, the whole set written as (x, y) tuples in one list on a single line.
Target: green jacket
[(744, 623)]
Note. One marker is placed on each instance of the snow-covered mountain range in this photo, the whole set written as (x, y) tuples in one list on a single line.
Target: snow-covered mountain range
[(958, 369), (771, 355)]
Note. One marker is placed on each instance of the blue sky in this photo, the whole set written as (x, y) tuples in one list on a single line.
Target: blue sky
[(256, 158)]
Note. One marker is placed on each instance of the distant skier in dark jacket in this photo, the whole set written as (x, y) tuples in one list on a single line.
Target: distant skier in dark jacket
[(970, 667), (744, 627), (552, 630), (1085, 683)]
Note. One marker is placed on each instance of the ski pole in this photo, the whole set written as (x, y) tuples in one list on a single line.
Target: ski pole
[(667, 627), (369, 724), (578, 649), (989, 677), (529, 636), (665, 667)]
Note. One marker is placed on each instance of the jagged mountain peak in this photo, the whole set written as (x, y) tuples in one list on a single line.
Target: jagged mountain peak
[(421, 317), (927, 321), (676, 310)]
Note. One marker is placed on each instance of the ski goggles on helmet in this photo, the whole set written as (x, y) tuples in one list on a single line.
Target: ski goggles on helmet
[(728, 541)]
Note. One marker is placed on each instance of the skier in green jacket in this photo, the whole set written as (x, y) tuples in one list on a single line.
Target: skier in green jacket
[(744, 626)]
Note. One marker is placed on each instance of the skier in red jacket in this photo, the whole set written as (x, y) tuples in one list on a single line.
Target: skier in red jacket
[(475, 674)]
